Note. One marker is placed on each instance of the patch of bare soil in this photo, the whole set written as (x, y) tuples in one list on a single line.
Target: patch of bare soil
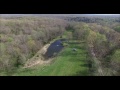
[(38, 58)]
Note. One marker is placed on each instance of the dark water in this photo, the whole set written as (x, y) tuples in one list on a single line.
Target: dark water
[(54, 48)]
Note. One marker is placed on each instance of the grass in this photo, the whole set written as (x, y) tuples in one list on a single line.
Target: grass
[(67, 63), (116, 56)]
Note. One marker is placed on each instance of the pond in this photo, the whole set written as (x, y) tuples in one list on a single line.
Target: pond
[(54, 48)]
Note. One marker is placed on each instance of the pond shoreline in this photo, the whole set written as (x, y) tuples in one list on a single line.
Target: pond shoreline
[(39, 57)]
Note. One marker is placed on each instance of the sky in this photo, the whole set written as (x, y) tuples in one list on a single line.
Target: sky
[(106, 14), (7, 15)]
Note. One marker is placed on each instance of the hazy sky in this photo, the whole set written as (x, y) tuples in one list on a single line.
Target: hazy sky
[(7, 15), (106, 14)]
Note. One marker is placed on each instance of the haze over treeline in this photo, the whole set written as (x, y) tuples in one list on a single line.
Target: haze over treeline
[(80, 15)]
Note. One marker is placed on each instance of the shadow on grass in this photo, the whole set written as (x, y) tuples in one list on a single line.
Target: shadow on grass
[(24, 71), (27, 70), (82, 73), (77, 60), (84, 65), (74, 43), (73, 54), (77, 47)]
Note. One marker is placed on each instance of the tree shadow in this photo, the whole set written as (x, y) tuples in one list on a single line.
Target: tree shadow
[(77, 47), (84, 65), (83, 72), (25, 70), (72, 54), (77, 60), (74, 43)]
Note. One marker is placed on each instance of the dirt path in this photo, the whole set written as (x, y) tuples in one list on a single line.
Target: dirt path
[(38, 58)]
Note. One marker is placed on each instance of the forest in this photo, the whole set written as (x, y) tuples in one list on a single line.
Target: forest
[(95, 40)]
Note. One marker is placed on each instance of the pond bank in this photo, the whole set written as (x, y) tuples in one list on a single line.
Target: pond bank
[(54, 48), (44, 55), (66, 63)]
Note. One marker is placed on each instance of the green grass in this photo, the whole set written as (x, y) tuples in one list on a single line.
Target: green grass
[(67, 63), (117, 28), (65, 34), (116, 56)]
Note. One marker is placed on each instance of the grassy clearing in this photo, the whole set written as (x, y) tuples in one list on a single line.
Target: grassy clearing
[(116, 56), (67, 63)]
